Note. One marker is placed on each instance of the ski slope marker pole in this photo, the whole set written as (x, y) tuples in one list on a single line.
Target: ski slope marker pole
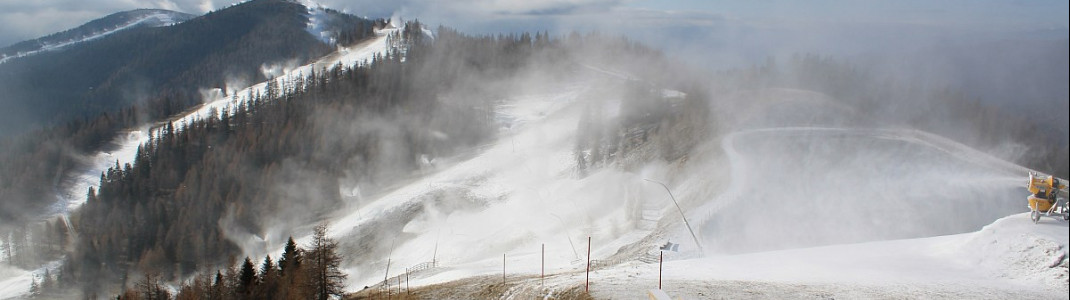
[(587, 283), (661, 260)]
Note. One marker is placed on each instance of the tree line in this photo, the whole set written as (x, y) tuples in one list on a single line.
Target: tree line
[(313, 272)]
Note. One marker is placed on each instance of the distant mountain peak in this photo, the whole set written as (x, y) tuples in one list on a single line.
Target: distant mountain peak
[(94, 30)]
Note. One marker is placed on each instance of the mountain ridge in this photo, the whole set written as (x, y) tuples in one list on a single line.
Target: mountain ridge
[(143, 65), (94, 29)]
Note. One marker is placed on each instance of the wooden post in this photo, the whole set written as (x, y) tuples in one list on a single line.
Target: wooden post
[(542, 276), (503, 270), (661, 260), (408, 290), (399, 286), (587, 283)]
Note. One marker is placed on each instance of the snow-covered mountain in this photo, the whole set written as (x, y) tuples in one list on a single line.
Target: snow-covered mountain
[(94, 30), (788, 193), (141, 56)]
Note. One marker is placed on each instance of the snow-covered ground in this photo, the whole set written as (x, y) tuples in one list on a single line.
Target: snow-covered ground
[(1011, 258), (15, 282), (857, 212), (471, 210)]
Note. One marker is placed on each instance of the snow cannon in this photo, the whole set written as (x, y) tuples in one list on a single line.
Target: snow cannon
[(1044, 198)]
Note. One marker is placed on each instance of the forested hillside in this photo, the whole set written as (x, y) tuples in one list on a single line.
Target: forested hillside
[(74, 101), (300, 273), (279, 159)]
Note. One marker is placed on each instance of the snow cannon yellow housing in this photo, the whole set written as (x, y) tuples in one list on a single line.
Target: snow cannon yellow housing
[(1044, 197)]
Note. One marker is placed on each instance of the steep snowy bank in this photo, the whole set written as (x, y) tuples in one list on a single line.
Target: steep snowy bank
[(511, 197)]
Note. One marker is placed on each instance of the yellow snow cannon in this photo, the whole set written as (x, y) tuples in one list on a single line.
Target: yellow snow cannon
[(1044, 197)]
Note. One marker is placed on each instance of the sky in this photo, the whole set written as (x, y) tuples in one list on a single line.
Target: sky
[(685, 26)]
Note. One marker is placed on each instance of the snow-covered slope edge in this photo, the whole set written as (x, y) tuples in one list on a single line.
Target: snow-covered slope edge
[(1015, 248), (1010, 259), (1012, 256)]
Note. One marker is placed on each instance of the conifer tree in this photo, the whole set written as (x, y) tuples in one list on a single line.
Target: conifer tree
[(268, 279), (247, 278), (291, 257), (326, 278)]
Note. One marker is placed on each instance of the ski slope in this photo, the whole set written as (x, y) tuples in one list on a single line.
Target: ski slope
[(15, 282), (1011, 258), (72, 193), (1008, 259), (468, 210), (216, 102), (853, 212), (124, 148)]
